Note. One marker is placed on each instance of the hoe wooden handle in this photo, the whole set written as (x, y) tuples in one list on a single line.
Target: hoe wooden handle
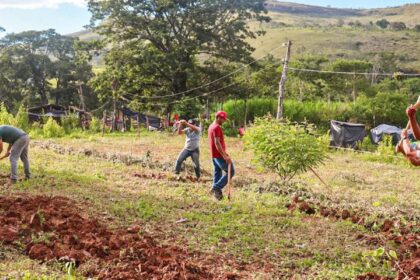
[(228, 189)]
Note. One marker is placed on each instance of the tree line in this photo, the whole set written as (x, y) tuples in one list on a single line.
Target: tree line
[(165, 56)]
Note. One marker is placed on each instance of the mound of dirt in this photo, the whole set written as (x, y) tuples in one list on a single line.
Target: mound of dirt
[(408, 264), (54, 228)]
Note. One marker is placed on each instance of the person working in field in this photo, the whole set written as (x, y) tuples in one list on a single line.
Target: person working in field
[(191, 148), (18, 142), (410, 151), (220, 158)]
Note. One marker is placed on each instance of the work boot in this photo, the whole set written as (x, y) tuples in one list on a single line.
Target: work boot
[(11, 182), (217, 194)]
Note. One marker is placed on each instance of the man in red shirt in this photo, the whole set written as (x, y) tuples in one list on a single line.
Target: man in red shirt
[(220, 158)]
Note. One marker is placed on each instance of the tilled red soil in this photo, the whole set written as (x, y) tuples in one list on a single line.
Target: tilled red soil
[(54, 228), (408, 263)]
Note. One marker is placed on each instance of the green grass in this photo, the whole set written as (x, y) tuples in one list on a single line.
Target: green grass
[(253, 228), (334, 42)]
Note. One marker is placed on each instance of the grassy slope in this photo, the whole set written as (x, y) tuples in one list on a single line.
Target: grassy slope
[(310, 30), (342, 42), (253, 228)]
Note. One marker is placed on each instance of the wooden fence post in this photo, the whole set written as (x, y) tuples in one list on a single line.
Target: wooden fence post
[(103, 123)]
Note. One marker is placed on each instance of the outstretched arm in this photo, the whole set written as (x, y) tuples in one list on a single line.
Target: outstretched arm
[(193, 127), (411, 113)]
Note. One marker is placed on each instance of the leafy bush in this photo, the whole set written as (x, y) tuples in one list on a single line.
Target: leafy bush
[(70, 122), (284, 148), (387, 150), (5, 116), (52, 129), (22, 119), (95, 125), (367, 145)]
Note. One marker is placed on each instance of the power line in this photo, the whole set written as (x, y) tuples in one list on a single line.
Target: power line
[(353, 73), (189, 98), (212, 82)]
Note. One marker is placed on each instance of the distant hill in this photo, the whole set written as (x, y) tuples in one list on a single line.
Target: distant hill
[(334, 32), (302, 9)]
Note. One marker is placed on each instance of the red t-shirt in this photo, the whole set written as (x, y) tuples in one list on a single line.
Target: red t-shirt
[(216, 131)]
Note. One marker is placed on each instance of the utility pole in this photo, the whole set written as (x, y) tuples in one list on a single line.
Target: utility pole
[(282, 83)]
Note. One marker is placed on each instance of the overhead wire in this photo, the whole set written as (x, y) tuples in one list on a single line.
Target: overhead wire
[(353, 73), (212, 82), (187, 98)]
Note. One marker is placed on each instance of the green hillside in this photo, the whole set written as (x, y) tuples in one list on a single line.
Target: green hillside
[(335, 42), (333, 32)]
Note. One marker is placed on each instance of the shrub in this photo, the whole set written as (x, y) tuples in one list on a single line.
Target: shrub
[(52, 129), (284, 148), (5, 116), (22, 119), (367, 145), (398, 25), (95, 125), (70, 122), (386, 149)]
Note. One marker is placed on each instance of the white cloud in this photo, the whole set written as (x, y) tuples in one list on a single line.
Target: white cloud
[(34, 4)]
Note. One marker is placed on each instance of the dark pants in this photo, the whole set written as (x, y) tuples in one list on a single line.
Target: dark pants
[(220, 180), (195, 156)]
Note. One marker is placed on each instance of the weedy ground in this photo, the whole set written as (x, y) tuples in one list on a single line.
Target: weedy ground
[(126, 179)]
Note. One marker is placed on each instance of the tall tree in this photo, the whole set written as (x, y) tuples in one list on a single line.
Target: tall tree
[(159, 41), (40, 66), (349, 84)]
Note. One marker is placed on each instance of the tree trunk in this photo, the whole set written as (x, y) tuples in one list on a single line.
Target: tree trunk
[(246, 111)]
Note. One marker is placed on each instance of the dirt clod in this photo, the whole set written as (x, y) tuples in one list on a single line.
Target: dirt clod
[(63, 233)]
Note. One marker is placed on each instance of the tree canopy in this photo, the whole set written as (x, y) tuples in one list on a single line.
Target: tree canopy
[(37, 67), (159, 47)]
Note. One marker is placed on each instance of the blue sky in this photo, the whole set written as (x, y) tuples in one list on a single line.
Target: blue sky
[(67, 16), (63, 15)]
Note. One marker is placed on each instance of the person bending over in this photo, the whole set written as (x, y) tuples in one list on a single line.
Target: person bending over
[(18, 142)]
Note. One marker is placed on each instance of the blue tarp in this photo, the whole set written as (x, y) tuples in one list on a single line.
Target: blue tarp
[(377, 133)]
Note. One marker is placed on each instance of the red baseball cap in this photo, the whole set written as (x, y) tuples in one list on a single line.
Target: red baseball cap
[(222, 114)]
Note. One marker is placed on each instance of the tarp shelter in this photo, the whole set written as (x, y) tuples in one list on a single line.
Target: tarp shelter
[(377, 133), (50, 110), (129, 113), (343, 134), (153, 121)]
